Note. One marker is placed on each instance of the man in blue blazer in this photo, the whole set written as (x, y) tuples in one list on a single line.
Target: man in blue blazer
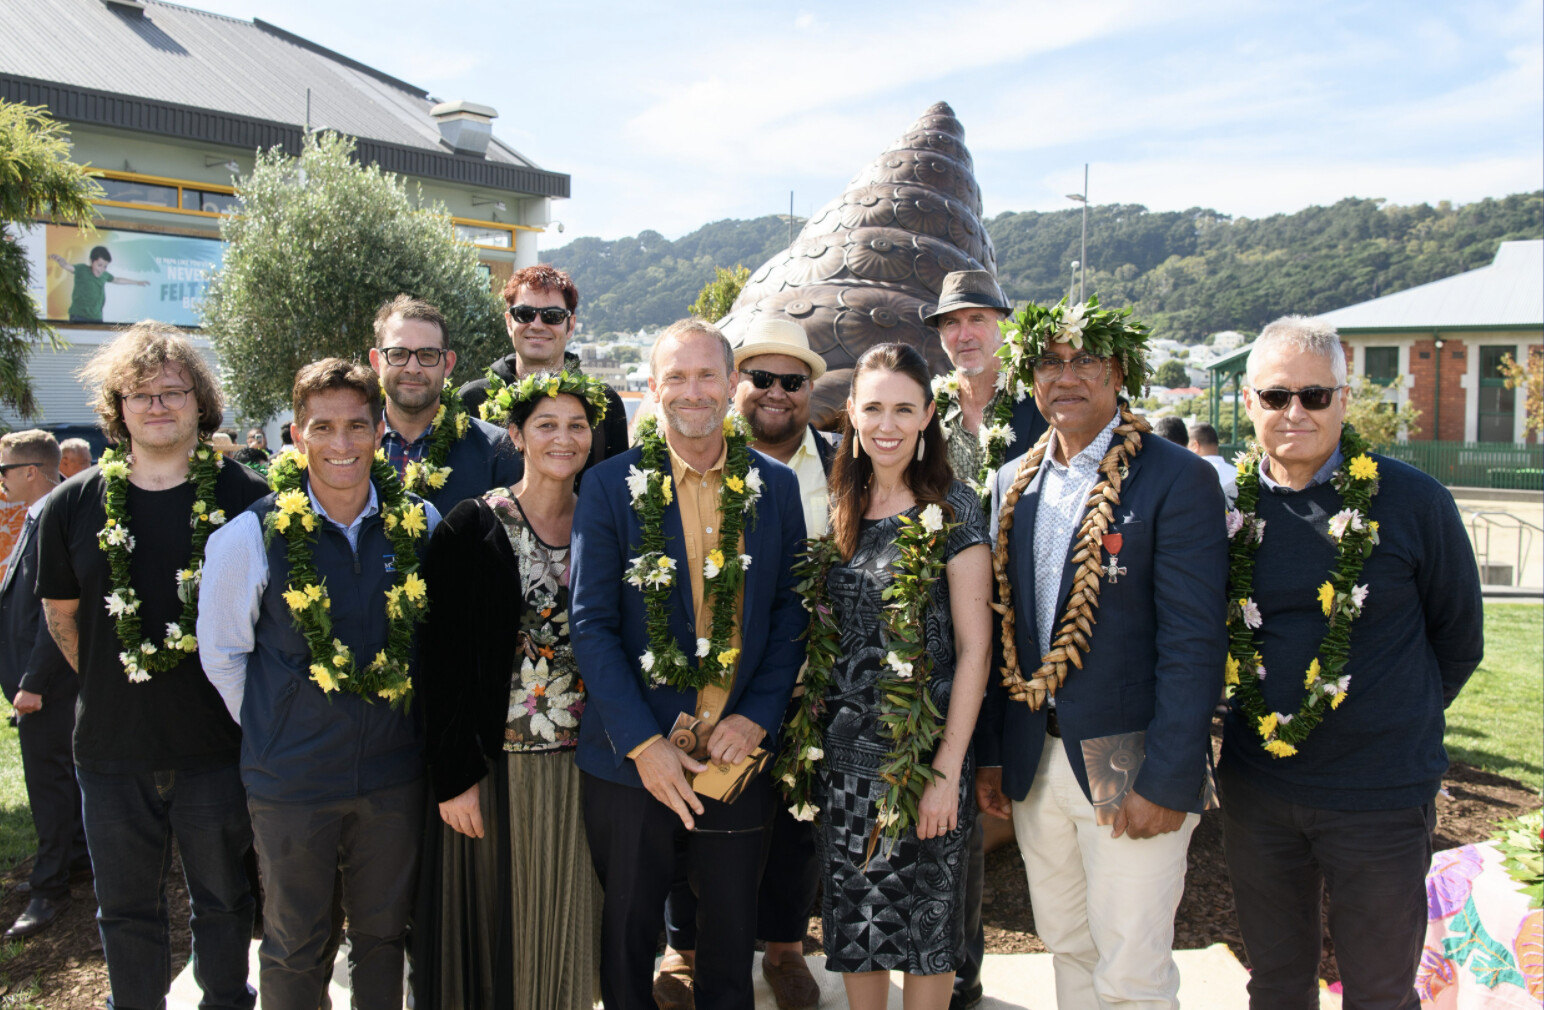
[(639, 805), (1115, 640)]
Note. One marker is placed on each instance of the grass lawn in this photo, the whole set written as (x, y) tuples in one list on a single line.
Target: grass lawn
[(17, 839), (1497, 723)]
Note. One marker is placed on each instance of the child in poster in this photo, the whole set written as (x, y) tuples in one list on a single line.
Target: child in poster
[(91, 280)]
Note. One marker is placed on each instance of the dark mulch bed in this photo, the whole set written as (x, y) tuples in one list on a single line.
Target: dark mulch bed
[(67, 960)]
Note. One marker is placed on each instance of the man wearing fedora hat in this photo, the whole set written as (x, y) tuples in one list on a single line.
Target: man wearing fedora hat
[(970, 306), (777, 374)]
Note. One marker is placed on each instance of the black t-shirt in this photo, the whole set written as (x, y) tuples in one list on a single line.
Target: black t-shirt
[(176, 720)]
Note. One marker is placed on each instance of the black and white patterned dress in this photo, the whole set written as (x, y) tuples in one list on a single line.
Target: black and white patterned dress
[(904, 910)]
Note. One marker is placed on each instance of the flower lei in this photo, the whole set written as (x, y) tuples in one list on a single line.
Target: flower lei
[(1107, 333), (141, 657), (996, 432), (1071, 640), (907, 713), (430, 473), (502, 397), (653, 570), (1340, 598), (332, 664)]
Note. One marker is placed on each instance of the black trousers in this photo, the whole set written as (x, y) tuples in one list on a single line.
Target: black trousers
[(1283, 857), (49, 766), (634, 840)]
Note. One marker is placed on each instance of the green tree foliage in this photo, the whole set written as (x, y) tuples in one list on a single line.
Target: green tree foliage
[(319, 244), (1375, 419), (37, 180), (1171, 375), (645, 280), (717, 296)]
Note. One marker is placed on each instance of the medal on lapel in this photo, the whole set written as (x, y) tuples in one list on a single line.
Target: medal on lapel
[(1112, 543)]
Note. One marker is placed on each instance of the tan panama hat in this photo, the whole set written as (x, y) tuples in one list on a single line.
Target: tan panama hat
[(966, 289), (778, 336)]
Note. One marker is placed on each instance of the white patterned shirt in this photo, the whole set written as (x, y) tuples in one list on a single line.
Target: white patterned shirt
[(1063, 491)]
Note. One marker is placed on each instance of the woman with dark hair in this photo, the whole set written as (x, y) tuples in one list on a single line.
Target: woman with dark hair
[(898, 907), (510, 907)]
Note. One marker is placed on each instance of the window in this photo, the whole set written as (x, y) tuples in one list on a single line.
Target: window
[(1382, 364), (214, 203), (1498, 404), (499, 238), (122, 191)]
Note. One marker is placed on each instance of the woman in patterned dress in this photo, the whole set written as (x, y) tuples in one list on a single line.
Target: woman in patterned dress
[(901, 909), (510, 897)]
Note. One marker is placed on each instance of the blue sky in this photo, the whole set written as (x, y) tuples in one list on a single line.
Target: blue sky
[(670, 115)]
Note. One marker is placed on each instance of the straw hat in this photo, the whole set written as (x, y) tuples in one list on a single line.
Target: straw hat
[(769, 335)]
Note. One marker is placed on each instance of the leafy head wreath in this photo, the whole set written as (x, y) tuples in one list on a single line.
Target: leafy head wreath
[(501, 402), (1107, 333)]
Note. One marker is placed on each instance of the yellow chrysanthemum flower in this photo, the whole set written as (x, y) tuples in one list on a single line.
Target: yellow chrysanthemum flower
[(1231, 673), (727, 657), (410, 473), (314, 591), (415, 587), (728, 425), (296, 599), (323, 678), (734, 483), (1327, 597), (437, 478), (1313, 673), (463, 422), (1280, 748), (439, 415), (553, 385), (1335, 701), (413, 520), (300, 461), (281, 522), (716, 556), (308, 521), (1363, 468), (380, 454), (663, 562), (394, 603), (665, 490), (391, 520), (292, 502), (1267, 725)]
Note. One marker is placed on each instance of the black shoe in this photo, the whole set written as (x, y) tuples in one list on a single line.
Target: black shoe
[(79, 875), (963, 999), (40, 913), (23, 887)]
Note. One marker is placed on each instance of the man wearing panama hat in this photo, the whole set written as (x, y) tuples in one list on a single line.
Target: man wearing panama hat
[(777, 373)]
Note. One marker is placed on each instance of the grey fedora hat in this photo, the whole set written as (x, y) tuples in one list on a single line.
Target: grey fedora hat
[(969, 289)]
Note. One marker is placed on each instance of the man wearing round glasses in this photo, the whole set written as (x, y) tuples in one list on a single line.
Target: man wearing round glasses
[(1362, 600), (542, 302), (413, 362)]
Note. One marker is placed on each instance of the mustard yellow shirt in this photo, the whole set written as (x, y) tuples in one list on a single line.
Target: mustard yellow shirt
[(697, 497)]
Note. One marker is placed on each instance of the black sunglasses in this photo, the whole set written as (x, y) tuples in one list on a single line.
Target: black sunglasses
[(428, 357), (791, 383), (552, 315), (1311, 397)]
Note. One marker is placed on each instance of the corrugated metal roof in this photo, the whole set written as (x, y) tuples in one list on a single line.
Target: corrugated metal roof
[(1509, 292), (187, 57)]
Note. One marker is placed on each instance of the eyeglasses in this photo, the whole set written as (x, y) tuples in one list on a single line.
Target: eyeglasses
[(6, 468), (1311, 397), (552, 315), (428, 357), (1085, 366), (791, 383), (172, 399)]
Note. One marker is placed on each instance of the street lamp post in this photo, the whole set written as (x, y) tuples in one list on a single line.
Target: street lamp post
[(1072, 289), (1083, 250)]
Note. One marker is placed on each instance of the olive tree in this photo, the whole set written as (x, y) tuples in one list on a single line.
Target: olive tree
[(318, 244)]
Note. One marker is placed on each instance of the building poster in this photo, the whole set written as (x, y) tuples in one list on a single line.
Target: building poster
[(116, 276)]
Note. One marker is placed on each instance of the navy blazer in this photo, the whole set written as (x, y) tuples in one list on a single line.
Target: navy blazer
[(1158, 649), (484, 459), (607, 616), (29, 657)]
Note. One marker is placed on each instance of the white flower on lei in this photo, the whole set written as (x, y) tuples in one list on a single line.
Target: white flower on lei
[(745, 561), (1235, 522), (804, 812), (646, 661), (1359, 596), (638, 482), (702, 648), (1251, 613), (1070, 328), (813, 753), (1344, 520), (997, 431), (752, 486), (902, 670), (118, 605), (932, 520), (118, 536), (709, 569), (947, 383)]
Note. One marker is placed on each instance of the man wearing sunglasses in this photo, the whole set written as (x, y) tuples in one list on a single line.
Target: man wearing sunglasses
[(42, 688), (413, 362), (1350, 812), (541, 304)]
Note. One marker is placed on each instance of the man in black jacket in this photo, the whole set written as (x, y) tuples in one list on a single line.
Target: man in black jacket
[(42, 687), (542, 301)]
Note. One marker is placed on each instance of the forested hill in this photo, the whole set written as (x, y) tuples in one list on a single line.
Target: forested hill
[(1186, 273)]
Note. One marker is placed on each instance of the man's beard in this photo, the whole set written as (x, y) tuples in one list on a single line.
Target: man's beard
[(689, 429), (412, 403), (780, 428)]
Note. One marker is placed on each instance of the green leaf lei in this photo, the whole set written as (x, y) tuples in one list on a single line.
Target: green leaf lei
[(332, 665), (1106, 333), (1521, 842), (1340, 598), (653, 570), (907, 713), (141, 657), (996, 434), (450, 424), (502, 396)]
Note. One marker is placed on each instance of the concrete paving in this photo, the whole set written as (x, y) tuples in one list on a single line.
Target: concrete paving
[(1210, 979)]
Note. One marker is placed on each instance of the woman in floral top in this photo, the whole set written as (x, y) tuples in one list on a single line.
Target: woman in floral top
[(510, 908)]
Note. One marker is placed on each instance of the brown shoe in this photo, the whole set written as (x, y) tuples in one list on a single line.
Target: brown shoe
[(792, 984), (673, 986)]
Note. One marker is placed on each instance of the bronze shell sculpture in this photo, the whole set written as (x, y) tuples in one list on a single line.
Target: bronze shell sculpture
[(868, 266)]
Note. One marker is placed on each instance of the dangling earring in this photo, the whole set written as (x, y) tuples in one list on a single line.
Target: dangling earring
[(921, 442), (854, 445)]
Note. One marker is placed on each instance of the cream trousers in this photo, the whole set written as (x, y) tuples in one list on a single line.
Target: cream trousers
[(1103, 906)]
